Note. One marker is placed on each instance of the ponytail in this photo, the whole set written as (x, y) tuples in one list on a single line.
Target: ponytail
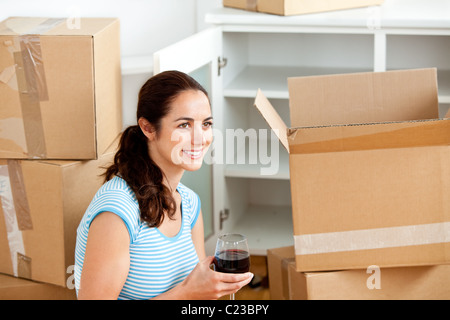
[(133, 164)]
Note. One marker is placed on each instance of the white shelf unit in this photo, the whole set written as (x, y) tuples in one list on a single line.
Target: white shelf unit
[(264, 59), (255, 225)]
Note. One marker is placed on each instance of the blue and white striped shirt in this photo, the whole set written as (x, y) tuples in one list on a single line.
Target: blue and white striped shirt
[(157, 263)]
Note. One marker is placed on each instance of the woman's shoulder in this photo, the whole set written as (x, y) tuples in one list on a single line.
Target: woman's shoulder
[(116, 185), (116, 193), (186, 191), (190, 199), (115, 196)]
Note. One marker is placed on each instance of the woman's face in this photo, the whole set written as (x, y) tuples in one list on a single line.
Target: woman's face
[(185, 133)]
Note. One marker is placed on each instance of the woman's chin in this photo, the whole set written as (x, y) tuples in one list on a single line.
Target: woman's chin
[(193, 166)]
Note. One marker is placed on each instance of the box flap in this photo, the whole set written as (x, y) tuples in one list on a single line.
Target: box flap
[(363, 97), (370, 136), (272, 117)]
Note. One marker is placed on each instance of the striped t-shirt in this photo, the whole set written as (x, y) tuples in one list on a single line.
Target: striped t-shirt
[(157, 263)]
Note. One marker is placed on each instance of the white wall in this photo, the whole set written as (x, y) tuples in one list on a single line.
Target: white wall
[(146, 26)]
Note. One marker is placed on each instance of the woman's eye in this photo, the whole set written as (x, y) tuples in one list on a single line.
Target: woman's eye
[(207, 124), (184, 125)]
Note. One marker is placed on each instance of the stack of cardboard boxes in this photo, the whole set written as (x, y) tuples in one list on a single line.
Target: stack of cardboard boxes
[(370, 185), (60, 119)]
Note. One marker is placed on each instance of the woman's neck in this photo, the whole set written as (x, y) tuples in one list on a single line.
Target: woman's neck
[(172, 174), (172, 181), (171, 177)]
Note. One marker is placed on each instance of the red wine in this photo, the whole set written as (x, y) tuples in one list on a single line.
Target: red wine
[(232, 261)]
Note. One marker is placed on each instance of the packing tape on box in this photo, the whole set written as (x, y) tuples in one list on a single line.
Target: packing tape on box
[(32, 90), (372, 238), (30, 81), (16, 213)]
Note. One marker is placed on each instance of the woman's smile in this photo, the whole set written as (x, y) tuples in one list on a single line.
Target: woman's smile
[(194, 154)]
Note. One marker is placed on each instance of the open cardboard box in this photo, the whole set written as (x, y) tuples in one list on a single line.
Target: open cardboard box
[(294, 7), (369, 169)]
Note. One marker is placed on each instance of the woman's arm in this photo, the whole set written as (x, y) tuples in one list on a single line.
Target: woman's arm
[(107, 258)]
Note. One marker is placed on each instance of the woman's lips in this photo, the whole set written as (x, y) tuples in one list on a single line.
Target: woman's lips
[(193, 154)]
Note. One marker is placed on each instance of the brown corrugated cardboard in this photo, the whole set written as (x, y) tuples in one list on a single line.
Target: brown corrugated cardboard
[(42, 202), (60, 88), (369, 183), (12, 288), (406, 283), (277, 262), (295, 7)]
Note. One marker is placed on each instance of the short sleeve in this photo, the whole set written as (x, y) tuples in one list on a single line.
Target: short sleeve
[(191, 203), (121, 204), (196, 210)]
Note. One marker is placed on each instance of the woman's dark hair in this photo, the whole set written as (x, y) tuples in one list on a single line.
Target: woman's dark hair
[(132, 161)]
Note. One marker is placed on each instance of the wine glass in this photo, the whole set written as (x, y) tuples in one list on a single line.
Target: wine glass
[(232, 255)]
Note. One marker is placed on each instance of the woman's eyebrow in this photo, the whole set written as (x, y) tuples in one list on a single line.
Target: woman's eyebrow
[(191, 119)]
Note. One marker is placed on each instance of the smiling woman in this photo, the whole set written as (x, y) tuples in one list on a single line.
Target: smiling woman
[(142, 235)]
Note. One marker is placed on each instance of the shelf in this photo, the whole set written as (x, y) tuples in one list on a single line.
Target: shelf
[(266, 227), (278, 168), (272, 80), (399, 14)]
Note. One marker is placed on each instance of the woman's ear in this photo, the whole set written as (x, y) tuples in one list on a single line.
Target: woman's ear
[(147, 128)]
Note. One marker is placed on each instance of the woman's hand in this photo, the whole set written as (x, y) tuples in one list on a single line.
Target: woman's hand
[(203, 283)]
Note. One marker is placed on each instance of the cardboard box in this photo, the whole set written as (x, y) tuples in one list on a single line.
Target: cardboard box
[(60, 87), (42, 203), (12, 288), (406, 283), (295, 7), (369, 169), (278, 260)]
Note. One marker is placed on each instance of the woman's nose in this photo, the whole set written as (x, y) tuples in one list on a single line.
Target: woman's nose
[(198, 137)]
